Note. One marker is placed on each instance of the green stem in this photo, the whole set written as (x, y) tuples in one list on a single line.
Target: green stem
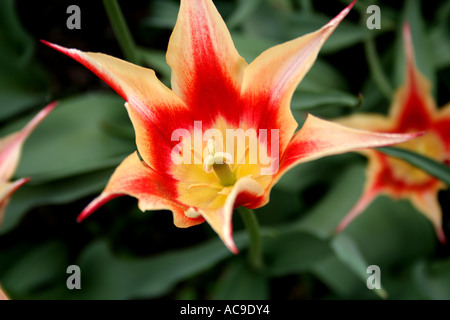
[(252, 226), (376, 69), (121, 30)]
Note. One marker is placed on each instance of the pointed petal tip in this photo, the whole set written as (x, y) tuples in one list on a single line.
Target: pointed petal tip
[(441, 236), (336, 20), (96, 204)]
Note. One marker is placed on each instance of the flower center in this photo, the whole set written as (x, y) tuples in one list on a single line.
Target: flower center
[(218, 162)]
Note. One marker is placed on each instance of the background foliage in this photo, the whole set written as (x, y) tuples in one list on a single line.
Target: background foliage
[(124, 253)]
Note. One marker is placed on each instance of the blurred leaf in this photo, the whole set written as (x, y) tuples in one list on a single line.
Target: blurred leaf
[(326, 215), (36, 268), (23, 83), (292, 252), (54, 192), (431, 166), (392, 233), (163, 14), (106, 276), (348, 252), (434, 279), (239, 282), (412, 13), (340, 278), (282, 205), (243, 10), (74, 139), (440, 37), (282, 25), (303, 100)]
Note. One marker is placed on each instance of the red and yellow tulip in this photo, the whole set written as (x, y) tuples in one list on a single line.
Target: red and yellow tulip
[(413, 109), (214, 90), (10, 150)]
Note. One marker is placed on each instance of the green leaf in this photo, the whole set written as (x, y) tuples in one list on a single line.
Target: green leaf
[(239, 282), (53, 192), (163, 14), (434, 168), (106, 276), (23, 83), (440, 37), (243, 10), (340, 279), (292, 252), (348, 252), (38, 267), (75, 138), (323, 219), (304, 100)]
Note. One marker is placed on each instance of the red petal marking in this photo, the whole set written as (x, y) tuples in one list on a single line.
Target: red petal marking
[(153, 191), (413, 105), (11, 146), (442, 128), (206, 68), (154, 109)]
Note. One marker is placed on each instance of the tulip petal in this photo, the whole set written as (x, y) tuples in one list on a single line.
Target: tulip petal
[(428, 204), (153, 191), (359, 207), (3, 295), (6, 191), (243, 192), (442, 128), (149, 100), (206, 68), (273, 76), (319, 138), (413, 106), (11, 146)]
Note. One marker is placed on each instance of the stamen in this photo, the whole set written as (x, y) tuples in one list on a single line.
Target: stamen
[(207, 185), (218, 161)]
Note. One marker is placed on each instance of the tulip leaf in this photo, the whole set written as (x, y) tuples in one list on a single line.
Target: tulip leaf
[(54, 192), (107, 276), (294, 251), (304, 100), (35, 268), (440, 37), (324, 217), (163, 14), (75, 138), (23, 83), (348, 252), (239, 282), (434, 168), (243, 10)]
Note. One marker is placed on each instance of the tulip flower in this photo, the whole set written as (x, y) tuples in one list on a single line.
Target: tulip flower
[(223, 135), (412, 109), (10, 150)]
